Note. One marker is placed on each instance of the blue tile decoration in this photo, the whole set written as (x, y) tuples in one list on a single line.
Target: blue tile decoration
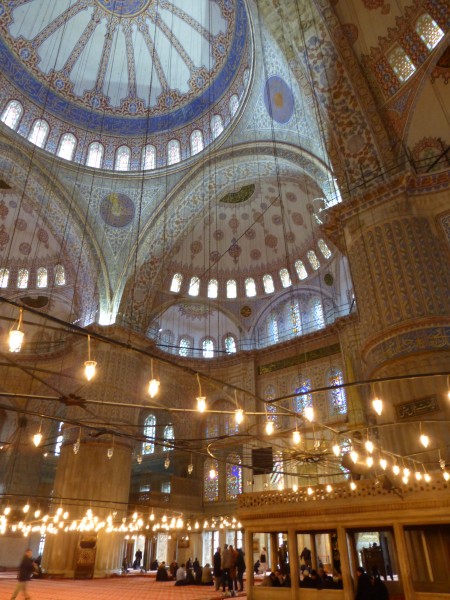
[(279, 99)]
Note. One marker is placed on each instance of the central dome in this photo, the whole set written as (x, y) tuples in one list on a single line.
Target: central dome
[(124, 8)]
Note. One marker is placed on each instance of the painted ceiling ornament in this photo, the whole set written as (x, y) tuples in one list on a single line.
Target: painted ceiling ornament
[(278, 99), (124, 8), (117, 210)]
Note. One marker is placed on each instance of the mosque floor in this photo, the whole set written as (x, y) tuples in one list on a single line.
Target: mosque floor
[(116, 588)]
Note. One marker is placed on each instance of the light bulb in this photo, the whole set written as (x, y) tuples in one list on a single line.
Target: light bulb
[(269, 427), (37, 438), (110, 453), (377, 405), (153, 387), (405, 479), (383, 463), (369, 446), (427, 477), (424, 440), (418, 475), (446, 475), (396, 469), (239, 415), (26, 508), (190, 468), (353, 485), (329, 488), (369, 461), (309, 413), (280, 486), (7, 510), (336, 449), (196, 525), (212, 473), (310, 491), (296, 437), (295, 487), (167, 463), (406, 472), (89, 369), (201, 403), (15, 340), (37, 513), (354, 456)]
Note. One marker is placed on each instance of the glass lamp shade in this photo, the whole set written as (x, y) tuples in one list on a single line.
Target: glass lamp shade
[(396, 469), (309, 413), (89, 369), (110, 453), (329, 488), (336, 449), (167, 463), (354, 456), (212, 474), (377, 406), (239, 415), (201, 403), (15, 340), (269, 427), (383, 463), (369, 446), (295, 487), (153, 387), (296, 437), (190, 468), (353, 485), (369, 461), (37, 438), (424, 440)]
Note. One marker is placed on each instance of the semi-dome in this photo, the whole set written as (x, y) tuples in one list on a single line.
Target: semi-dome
[(111, 70)]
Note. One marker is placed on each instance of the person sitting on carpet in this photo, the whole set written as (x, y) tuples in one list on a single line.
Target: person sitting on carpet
[(207, 576), (181, 575), (161, 573)]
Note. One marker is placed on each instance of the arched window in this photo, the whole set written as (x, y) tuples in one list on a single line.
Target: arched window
[(169, 437), (250, 287), (177, 280), (301, 271), (317, 317), (304, 400), (324, 248), (269, 288), (123, 159), (337, 397), (274, 334), (59, 440), (67, 146), (296, 321), (41, 277), (173, 152), (213, 288), (60, 275), (39, 132), (216, 126), (212, 426), (166, 338), (429, 31), (208, 348), (230, 344), (22, 279), (95, 155), (277, 476), (211, 484), (401, 64), (285, 278), (271, 409), (4, 278), (12, 113), (231, 289), (313, 260), (194, 286), (234, 104), (148, 447), (234, 476), (185, 347), (149, 157), (196, 142)]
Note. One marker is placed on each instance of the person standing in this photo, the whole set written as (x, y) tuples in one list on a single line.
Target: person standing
[(217, 569), (26, 569), (263, 561), (364, 588), (240, 566), (137, 559)]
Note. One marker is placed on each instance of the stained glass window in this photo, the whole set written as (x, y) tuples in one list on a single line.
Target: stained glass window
[(277, 476), (305, 400), (429, 31), (230, 344), (59, 440), (234, 476), (401, 63), (250, 287), (274, 334), (41, 277), (229, 425), (95, 155), (208, 348), (4, 278), (67, 146), (39, 132), (194, 286), (185, 347), (166, 337), (212, 426), (173, 152), (169, 436), (12, 113), (148, 447), (123, 158), (337, 397), (296, 321), (166, 487), (269, 288), (324, 248), (285, 278), (60, 275), (216, 126), (231, 289), (271, 409), (317, 317), (177, 280), (213, 288), (22, 279), (313, 260), (210, 484), (234, 105), (300, 268), (149, 157), (196, 141)]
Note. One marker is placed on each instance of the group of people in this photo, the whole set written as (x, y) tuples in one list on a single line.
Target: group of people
[(370, 587), (189, 573), (228, 569)]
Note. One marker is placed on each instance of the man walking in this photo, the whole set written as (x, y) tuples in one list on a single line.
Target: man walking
[(26, 569)]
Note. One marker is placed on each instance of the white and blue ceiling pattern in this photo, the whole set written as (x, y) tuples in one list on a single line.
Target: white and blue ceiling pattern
[(125, 67)]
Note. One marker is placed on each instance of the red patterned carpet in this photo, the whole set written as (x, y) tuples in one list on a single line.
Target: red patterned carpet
[(117, 588)]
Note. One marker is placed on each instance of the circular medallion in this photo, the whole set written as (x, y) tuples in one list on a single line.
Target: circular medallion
[(117, 210), (246, 311), (279, 99), (124, 8)]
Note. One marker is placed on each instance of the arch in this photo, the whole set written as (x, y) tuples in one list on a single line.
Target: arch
[(169, 437), (148, 160), (337, 399), (149, 431), (250, 287), (231, 288), (22, 278), (60, 275), (216, 126), (285, 278), (95, 154), (233, 105), (173, 152), (300, 402), (185, 346), (196, 141), (210, 484), (208, 348), (194, 286), (39, 133), (175, 285), (213, 288), (12, 114), (233, 476), (4, 277), (41, 277), (230, 344), (268, 285), (67, 146), (123, 159)]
